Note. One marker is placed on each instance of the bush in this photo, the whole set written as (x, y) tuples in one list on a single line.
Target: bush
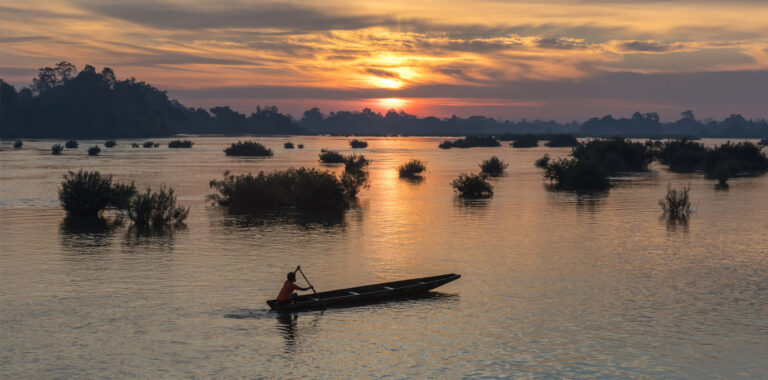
[(288, 145), (743, 157), (470, 142), (412, 168), (148, 144), (180, 144), (353, 182), (156, 145), (676, 204), (472, 186), (682, 155), (248, 148), (331, 156), (301, 146), (134, 145), (18, 144), (526, 141), (562, 140), (87, 193), (355, 143), (110, 143), (71, 144), (94, 151), (56, 149), (615, 154), (493, 166), (355, 163), (542, 162), (156, 209), (763, 142), (577, 175), (302, 189)]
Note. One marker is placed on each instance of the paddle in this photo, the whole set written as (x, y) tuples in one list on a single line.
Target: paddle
[(298, 269)]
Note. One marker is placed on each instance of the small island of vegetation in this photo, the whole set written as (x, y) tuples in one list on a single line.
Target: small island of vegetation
[(526, 141), (472, 186), (331, 157), (56, 149), (562, 140), (180, 144), (358, 144), (94, 151), (288, 145), (248, 148), (412, 169), (110, 143), (471, 142), (493, 166), (71, 144)]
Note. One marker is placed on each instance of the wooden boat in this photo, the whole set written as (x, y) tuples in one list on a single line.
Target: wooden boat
[(364, 294)]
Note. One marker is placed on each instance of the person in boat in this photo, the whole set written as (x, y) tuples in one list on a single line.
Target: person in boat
[(287, 294)]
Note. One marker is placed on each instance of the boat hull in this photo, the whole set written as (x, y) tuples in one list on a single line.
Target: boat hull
[(364, 294)]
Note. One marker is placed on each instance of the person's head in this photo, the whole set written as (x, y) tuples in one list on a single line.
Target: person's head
[(291, 277)]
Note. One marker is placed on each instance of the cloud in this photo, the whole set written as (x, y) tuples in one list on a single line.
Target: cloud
[(645, 46), (560, 43), (382, 73)]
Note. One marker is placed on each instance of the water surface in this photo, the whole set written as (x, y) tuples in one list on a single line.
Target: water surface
[(553, 284)]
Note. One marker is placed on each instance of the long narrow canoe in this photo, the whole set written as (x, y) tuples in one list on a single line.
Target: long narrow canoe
[(364, 294)]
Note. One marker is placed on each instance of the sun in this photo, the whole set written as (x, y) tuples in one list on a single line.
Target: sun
[(392, 102)]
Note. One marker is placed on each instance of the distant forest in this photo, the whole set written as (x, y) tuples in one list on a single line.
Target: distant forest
[(64, 103)]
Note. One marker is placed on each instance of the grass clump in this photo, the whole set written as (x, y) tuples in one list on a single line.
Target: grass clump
[(358, 144), (288, 145), (94, 151), (56, 149), (18, 144), (248, 148), (180, 144), (412, 168), (677, 203), (577, 175), (86, 194), (562, 140), (71, 144), (493, 166), (526, 141), (156, 209), (135, 145), (542, 162), (110, 143), (301, 146), (331, 157), (302, 189), (471, 142), (472, 186), (148, 144)]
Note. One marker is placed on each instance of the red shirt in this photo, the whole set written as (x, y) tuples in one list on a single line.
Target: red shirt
[(285, 293)]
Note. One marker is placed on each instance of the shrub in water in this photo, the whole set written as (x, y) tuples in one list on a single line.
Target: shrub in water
[(156, 145), (355, 143), (576, 175), (471, 142), (86, 193), (331, 156), (682, 155), (743, 157), (562, 140), (180, 144), (248, 148), (676, 204), (302, 189), (288, 145), (412, 168), (135, 145), (526, 141), (615, 154), (353, 182), (472, 186), (301, 146), (148, 144), (18, 144), (56, 149), (94, 151), (356, 163), (493, 166), (70, 144), (110, 143), (156, 209), (542, 162)]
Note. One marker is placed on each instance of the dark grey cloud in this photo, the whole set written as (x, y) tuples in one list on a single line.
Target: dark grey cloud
[(646, 46), (691, 60), (17, 39), (382, 73), (560, 44)]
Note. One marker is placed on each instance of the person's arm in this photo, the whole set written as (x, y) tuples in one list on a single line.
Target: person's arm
[(303, 289)]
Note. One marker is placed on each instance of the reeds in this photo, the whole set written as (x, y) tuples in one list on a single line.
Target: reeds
[(156, 209), (676, 203), (412, 168)]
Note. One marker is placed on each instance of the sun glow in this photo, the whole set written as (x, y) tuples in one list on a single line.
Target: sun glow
[(386, 82), (392, 102)]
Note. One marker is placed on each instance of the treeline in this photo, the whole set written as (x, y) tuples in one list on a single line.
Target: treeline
[(64, 103)]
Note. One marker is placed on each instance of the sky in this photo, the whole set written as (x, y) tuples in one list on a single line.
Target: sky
[(546, 59)]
